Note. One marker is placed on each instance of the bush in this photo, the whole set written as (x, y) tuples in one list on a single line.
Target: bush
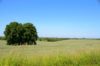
[(18, 34)]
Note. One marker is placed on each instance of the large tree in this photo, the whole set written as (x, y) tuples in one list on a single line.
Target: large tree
[(19, 34)]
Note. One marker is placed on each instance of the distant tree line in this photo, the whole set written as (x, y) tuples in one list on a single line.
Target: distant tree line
[(2, 38), (19, 34), (49, 39)]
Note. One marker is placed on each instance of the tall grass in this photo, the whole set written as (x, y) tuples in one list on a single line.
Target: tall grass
[(82, 59), (61, 53)]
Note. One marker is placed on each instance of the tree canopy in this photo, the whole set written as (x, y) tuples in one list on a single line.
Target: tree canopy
[(19, 34)]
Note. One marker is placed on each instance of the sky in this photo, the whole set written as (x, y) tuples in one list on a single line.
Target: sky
[(54, 18)]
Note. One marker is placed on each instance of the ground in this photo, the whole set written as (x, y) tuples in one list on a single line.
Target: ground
[(44, 53)]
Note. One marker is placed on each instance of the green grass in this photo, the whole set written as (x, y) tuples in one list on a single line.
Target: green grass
[(60, 53)]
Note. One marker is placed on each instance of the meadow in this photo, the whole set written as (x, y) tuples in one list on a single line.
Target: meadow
[(59, 53)]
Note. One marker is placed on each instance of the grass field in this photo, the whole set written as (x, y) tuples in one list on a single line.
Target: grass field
[(60, 53)]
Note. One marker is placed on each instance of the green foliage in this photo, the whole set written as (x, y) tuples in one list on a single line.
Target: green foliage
[(18, 34), (30, 33)]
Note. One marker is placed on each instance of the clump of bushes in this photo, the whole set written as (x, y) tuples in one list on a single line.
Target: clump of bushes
[(19, 34)]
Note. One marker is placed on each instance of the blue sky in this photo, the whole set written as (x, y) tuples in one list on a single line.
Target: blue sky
[(54, 18)]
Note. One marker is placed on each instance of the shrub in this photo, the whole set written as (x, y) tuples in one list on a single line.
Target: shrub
[(18, 34)]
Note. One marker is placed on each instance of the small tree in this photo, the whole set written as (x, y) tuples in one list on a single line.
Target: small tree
[(19, 34), (30, 33), (11, 33)]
